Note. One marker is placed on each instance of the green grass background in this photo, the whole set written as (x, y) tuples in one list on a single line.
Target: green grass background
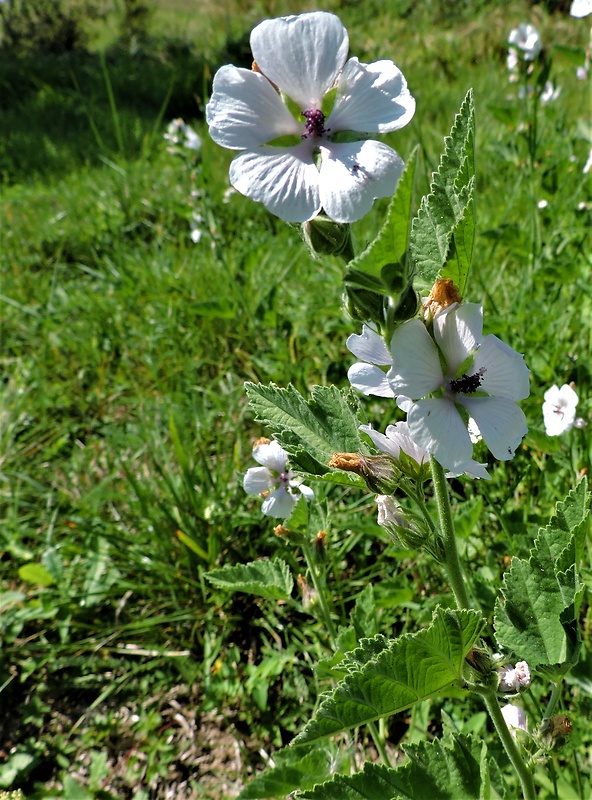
[(124, 430)]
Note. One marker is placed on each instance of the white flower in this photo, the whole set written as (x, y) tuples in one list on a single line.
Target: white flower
[(302, 58), (526, 38), (588, 164), (478, 377), (274, 481), (559, 409), (582, 72), (581, 8), (390, 512), (513, 679), (550, 92), (196, 227), (394, 439), (514, 717), (178, 132)]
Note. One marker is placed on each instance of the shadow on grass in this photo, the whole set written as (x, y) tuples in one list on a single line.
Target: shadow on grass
[(61, 112)]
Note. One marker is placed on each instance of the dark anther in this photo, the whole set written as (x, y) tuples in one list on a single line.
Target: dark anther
[(315, 122), (467, 384)]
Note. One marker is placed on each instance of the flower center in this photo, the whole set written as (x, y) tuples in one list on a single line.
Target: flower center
[(467, 384), (315, 123)]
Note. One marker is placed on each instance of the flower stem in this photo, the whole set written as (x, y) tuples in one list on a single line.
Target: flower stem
[(320, 586), (508, 741), (451, 559)]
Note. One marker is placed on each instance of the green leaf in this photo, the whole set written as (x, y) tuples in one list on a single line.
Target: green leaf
[(434, 770), (311, 431), (442, 233), (410, 669), (390, 245), (271, 579), (296, 768), (537, 613), (37, 574)]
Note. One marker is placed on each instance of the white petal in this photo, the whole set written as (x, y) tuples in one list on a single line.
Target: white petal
[(504, 372), (369, 346), (581, 8), (302, 54), (284, 179), (354, 174), (383, 443), (416, 369), (436, 425), (369, 379), (458, 331), (566, 396), (272, 455), (371, 98), (306, 491), (472, 469), (399, 434), (279, 504), (257, 480), (245, 110), (501, 422)]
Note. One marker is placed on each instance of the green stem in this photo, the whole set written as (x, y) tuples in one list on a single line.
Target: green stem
[(379, 742), (508, 741), (555, 695), (451, 559), (319, 585)]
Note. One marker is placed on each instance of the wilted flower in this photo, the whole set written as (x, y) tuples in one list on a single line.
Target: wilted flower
[(179, 132), (302, 60), (273, 481), (527, 39), (559, 409), (443, 383), (513, 679), (515, 717), (581, 8)]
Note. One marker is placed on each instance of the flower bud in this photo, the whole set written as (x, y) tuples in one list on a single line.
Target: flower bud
[(324, 237), (515, 718), (513, 679), (379, 472), (392, 518), (364, 305), (407, 304)]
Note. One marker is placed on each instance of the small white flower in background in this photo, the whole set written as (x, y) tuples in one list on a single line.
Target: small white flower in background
[(273, 481), (581, 8), (559, 409), (303, 58), (550, 92), (442, 384), (196, 227), (513, 679), (542, 204), (514, 717), (582, 72), (179, 133), (527, 39), (588, 164), (512, 65)]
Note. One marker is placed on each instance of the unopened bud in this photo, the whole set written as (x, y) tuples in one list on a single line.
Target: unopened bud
[(364, 305), (310, 596), (515, 718), (443, 294), (407, 304), (379, 472), (324, 237), (395, 521)]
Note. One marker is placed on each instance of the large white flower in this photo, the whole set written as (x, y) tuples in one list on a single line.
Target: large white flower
[(527, 39), (444, 382), (279, 487), (302, 58), (559, 409)]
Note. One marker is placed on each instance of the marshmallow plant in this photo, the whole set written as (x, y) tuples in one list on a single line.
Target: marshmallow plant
[(303, 121)]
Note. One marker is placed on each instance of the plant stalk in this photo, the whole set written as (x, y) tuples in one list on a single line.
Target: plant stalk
[(451, 559)]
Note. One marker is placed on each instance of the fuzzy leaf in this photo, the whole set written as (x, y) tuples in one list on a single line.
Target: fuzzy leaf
[(540, 596), (433, 770), (310, 431), (412, 668), (296, 768), (442, 233), (390, 245), (271, 579)]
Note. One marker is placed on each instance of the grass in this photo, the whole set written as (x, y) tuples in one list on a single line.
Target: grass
[(124, 429)]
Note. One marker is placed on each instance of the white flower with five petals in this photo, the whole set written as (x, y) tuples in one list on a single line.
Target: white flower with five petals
[(303, 58), (581, 8), (559, 409), (527, 39), (273, 481), (445, 381)]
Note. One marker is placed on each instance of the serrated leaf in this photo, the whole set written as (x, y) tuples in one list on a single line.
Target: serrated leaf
[(434, 770), (536, 614), (270, 579), (310, 431), (296, 768), (442, 233), (390, 245), (412, 668)]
